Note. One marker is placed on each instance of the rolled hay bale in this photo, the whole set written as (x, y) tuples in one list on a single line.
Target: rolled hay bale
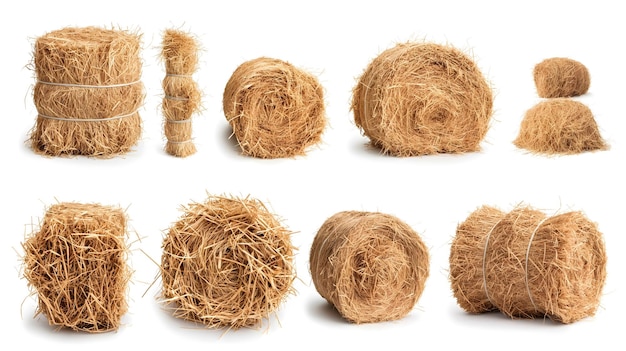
[(275, 109), (559, 126), (76, 265), (228, 262), (561, 77), (370, 266), (528, 265), (423, 98), (88, 92), (182, 95)]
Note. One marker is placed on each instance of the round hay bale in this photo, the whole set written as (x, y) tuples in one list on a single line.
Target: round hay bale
[(275, 109), (227, 262), (371, 266), (561, 77), (423, 98), (88, 92), (182, 95), (528, 265), (76, 265), (559, 126)]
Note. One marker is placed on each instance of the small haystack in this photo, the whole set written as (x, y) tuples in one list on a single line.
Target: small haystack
[(182, 95), (76, 265), (561, 77), (528, 265), (559, 126), (423, 98), (88, 92), (371, 266), (275, 109), (228, 262)]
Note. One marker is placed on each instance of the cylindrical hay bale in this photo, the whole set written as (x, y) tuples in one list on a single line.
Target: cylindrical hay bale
[(559, 126), (371, 266), (88, 92), (423, 98), (275, 109), (530, 265), (76, 265), (182, 95), (561, 77), (227, 262)]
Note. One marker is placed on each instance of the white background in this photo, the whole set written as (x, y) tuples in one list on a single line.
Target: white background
[(334, 40)]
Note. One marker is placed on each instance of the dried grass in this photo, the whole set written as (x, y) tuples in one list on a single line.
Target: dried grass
[(371, 266), (561, 77), (423, 98), (76, 265), (275, 109), (88, 92), (228, 262), (182, 95), (559, 126), (528, 265)]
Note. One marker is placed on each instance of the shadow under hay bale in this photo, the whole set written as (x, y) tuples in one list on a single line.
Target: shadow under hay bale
[(528, 265), (76, 265), (423, 98), (228, 262), (275, 109), (559, 77), (371, 266), (88, 92), (559, 126)]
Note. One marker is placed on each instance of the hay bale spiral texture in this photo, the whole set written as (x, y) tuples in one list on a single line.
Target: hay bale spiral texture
[(559, 126), (559, 77), (528, 265), (88, 92), (370, 266), (275, 109), (76, 265), (423, 98), (228, 262), (182, 94)]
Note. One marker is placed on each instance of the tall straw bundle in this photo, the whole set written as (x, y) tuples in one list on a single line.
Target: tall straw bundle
[(275, 109), (88, 92), (371, 266), (76, 265), (227, 262), (423, 98), (559, 126), (182, 95), (528, 265), (561, 77)]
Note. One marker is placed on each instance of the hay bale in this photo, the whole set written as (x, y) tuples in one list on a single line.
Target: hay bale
[(371, 266), (76, 265), (182, 95), (423, 98), (559, 126), (88, 92), (228, 262), (528, 265), (275, 109), (561, 77)]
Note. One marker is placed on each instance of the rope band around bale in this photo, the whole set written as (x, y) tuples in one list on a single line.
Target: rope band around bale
[(485, 260), (74, 119), (180, 142), (176, 98), (178, 75), (69, 85), (530, 241), (182, 121)]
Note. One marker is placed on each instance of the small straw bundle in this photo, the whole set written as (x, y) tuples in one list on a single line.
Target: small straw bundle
[(528, 265), (423, 98), (88, 92), (559, 126), (275, 109), (227, 262), (561, 77), (182, 95), (371, 266), (76, 264)]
